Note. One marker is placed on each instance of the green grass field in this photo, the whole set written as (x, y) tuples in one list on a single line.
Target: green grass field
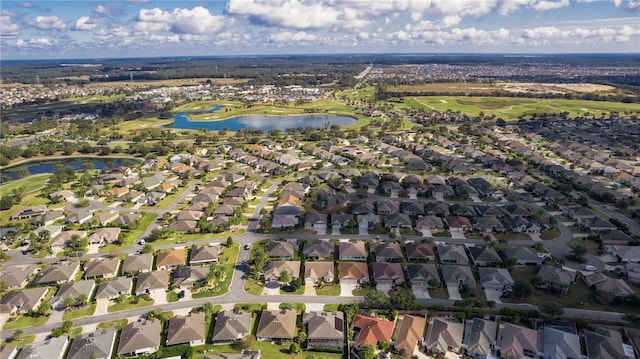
[(510, 108), (29, 184), (129, 304), (22, 322)]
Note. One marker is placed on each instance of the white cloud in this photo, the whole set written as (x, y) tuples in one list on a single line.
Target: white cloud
[(34, 43), (617, 3), (84, 23), (633, 5), (285, 13), (287, 36), (549, 5), (118, 33), (47, 23), (102, 10), (7, 27), (197, 21)]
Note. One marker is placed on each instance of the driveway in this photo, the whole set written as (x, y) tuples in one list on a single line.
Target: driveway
[(335, 230), (159, 296), (101, 307), (458, 235), (454, 292), (309, 288), (493, 295), (346, 290), (271, 288), (384, 287), (421, 292)]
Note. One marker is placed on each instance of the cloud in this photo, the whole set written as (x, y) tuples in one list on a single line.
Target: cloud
[(7, 27), (287, 36), (47, 23), (633, 5), (27, 4), (552, 34), (549, 5), (285, 13), (197, 21), (34, 43), (84, 23), (102, 10)]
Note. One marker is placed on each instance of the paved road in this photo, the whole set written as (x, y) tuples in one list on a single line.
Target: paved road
[(634, 226)]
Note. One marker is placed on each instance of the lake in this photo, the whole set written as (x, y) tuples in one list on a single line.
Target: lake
[(46, 166), (259, 122)]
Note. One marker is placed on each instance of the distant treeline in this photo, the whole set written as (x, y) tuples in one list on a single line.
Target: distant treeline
[(593, 96)]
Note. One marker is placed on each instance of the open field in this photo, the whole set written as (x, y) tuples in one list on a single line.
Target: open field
[(510, 108), (170, 82), (487, 88), (28, 184), (69, 104)]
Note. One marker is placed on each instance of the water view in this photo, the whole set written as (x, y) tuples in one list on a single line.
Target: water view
[(259, 122), (47, 166)]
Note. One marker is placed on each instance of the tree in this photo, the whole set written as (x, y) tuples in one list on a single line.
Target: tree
[(366, 351), (17, 335), (229, 242), (301, 337), (402, 298), (69, 301), (374, 298), (522, 289), (294, 348), (83, 299), (578, 251), (43, 309), (4, 286), (552, 309), (147, 248), (284, 277)]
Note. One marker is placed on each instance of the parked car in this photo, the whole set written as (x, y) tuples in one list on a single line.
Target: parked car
[(247, 246), (590, 268)]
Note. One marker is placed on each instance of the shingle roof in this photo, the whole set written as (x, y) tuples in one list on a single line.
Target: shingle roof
[(372, 330), (410, 331), (442, 335), (277, 324), (98, 345), (324, 325), (137, 263), (113, 288), (229, 325), (139, 335), (185, 329)]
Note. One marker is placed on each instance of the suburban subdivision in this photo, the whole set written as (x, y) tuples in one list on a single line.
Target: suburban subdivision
[(388, 210)]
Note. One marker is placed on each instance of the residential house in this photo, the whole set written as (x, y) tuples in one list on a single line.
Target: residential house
[(443, 336), (458, 224), (315, 271), (387, 207), (462, 210), (429, 224), (371, 330), (560, 344), (53, 348), (419, 252), (410, 332), (186, 277), (606, 344), (281, 250), (485, 256), (102, 268), (21, 301), (324, 329), (387, 251), (98, 345), (274, 268), (29, 212), (277, 325), (353, 272), (352, 251), (139, 263), (423, 276), (58, 273), (496, 279), (74, 290), (157, 281), (205, 254), (452, 254), (17, 276), (184, 226), (318, 250), (105, 217), (553, 277), (625, 254), (489, 211), (397, 221), (480, 338), (516, 211), (316, 221), (231, 326), (523, 256), (387, 274), (114, 288), (140, 337), (104, 235), (524, 225), (596, 224), (488, 225), (186, 329), (608, 288), (8, 351), (171, 258), (517, 342), (439, 209), (458, 276)]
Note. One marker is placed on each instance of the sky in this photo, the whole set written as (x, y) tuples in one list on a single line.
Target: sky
[(141, 28)]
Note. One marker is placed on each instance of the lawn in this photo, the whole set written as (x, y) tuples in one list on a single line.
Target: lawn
[(130, 303), (330, 307), (172, 297), (23, 321), (510, 108), (550, 234), (592, 246), (28, 184), (329, 290), (439, 293), (179, 237), (133, 235), (267, 351), (253, 287), (113, 324), (78, 313), (227, 264), (26, 339)]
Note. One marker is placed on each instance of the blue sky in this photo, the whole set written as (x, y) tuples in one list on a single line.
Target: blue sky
[(135, 28)]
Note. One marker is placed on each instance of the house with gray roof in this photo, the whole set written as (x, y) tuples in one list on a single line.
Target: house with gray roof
[(318, 250), (152, 281), (53, 348), (560, 344), (458, 276), (485, 256), (479, 337), (98, 345), (387, 251), (102, 268), (17, 276), (205, 254), (231, 326), (58, 273), (113, 288), (443, 336), (497, 279), (139, 263), (74, 290), (324, 329), (281, 250), (523, 255), (277, 324), (452, 254), (515, 341), (186, 329), (422, 275), (21, 301), (385, 273), (186, 277), (140, 337), (606, 344), (553, 277)]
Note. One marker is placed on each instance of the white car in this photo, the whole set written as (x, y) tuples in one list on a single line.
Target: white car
[(142, 241), (590, 268)]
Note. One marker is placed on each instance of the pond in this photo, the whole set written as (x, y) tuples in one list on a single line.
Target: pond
[(259, 122), (46, 166)]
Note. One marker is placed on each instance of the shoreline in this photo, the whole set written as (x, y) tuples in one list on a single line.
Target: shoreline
[(44, 159)]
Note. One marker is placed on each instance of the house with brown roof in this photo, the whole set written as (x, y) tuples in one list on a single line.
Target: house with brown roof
[(385, 273), (515, 341), (371, 330), (140, 337), (324, 329), (277, 324), (443, 336), (21, 301), (17, 276), (419, 252), (458, 224), (186, 277), (318, 250), (231, 326), (111, 289), (353, 272), (152, 281), (171, 258), (102, 268), (137, 264), (186, 329), (281, 250), (274, 268), (58, 273), (315, 271), (104, 235), (410, 332), (387, 251), (205, 254), (352, 251)]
